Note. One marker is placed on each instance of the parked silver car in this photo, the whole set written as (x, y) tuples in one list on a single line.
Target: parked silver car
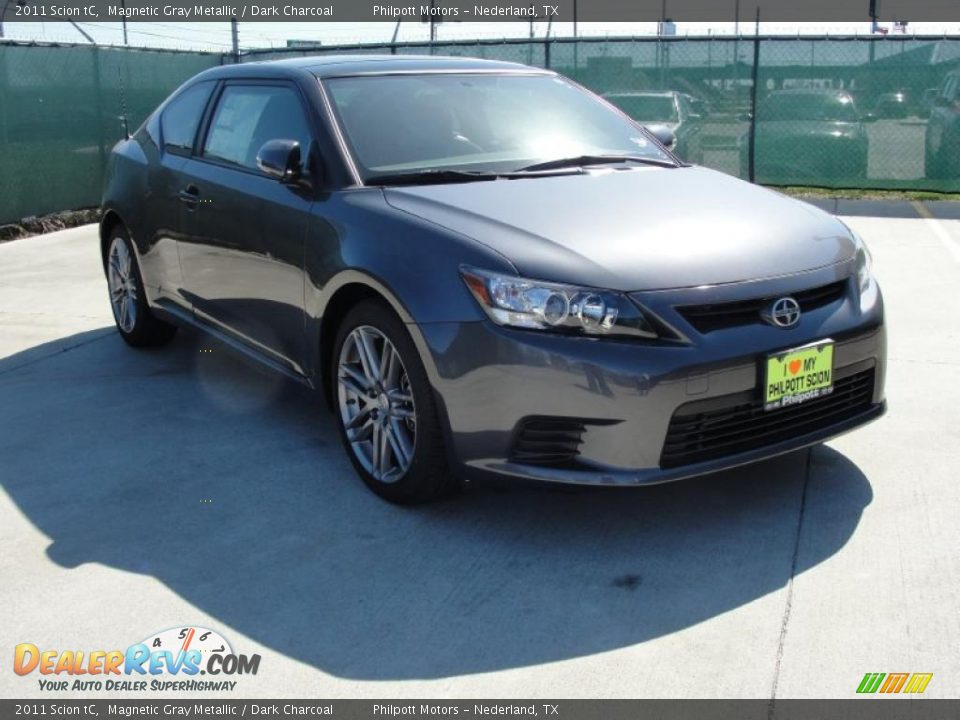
[(678, 113)]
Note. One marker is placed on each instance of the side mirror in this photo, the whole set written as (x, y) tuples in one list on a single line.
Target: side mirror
[(665, 135), (280, 159)]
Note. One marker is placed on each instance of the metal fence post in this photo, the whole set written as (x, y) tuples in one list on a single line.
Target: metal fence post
[(98, 99), (752, 148), (3, 91)]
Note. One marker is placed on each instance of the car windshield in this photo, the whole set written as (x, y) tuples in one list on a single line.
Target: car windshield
[(836, 108), (486, 123), (647, 108)]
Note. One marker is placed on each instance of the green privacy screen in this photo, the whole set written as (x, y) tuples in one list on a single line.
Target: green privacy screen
[(61, 110), (865, 113), (871, 113)]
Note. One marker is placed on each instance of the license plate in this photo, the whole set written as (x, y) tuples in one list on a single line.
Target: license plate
[(798, 375)]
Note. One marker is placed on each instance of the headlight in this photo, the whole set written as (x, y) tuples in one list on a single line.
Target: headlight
[(864, 262), (531, 304)]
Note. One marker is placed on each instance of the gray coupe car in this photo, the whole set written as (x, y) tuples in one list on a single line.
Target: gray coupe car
[(486, 270)]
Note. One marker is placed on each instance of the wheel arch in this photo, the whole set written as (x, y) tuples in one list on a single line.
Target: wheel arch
[(348, 289), (108, 223), (343, 293)]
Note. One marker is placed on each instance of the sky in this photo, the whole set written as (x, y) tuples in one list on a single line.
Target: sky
[(215, 36)]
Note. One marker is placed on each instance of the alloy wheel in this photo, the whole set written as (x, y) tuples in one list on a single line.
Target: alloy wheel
[(376, 404), (123, 285)]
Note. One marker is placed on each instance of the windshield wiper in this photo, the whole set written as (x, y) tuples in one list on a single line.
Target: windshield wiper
[(443, 175), (432, 176), (581, 160)]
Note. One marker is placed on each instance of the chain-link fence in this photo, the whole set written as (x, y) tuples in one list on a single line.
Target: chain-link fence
[(870, 113), (830, 112), (61, 110)]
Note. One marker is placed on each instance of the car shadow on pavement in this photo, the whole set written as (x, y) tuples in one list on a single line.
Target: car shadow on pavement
[(229, 486)]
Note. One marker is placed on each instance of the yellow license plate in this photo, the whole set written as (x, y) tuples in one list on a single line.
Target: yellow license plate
[(798, 375)]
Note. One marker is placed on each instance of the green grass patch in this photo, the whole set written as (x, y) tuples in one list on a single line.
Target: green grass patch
[(855, 194), (48, 223)]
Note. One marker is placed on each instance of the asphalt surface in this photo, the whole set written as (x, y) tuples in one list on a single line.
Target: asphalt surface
[(147, 490)]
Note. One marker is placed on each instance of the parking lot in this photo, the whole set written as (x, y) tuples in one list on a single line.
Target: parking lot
[(147, 490)]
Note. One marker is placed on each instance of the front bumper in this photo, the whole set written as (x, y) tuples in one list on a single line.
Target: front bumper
[(490, 380)]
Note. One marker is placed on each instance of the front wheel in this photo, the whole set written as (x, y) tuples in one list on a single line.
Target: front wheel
[(386, 412), (135, 323)]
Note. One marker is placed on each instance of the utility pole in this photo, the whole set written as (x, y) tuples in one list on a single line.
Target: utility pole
[(123, 5), (576, 43), (235, 40)]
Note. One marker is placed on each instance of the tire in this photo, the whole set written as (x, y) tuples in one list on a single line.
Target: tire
[(135, 322), (935, 165), (396, 411)]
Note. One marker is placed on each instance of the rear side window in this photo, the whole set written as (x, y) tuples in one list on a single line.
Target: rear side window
[(248, 116), (950, 87), (181, 117)]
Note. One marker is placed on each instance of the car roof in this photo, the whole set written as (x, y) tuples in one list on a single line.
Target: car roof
[(666, 93), (811, 91), (342, 65)]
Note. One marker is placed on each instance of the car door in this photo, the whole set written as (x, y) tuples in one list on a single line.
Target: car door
[(242, 248), (168, 138)]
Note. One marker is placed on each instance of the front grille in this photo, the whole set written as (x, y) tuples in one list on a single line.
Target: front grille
[(716, 316), (548, 440), (698, 436)]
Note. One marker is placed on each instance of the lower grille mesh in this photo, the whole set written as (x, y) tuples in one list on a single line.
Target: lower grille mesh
[(548, 441), (698, 436)]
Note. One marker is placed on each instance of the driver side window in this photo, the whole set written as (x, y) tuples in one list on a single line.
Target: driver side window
[(247, 116)]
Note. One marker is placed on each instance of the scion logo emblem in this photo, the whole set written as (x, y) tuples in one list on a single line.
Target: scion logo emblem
[(784, 312)]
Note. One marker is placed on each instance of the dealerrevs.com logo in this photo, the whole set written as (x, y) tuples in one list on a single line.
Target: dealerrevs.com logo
[(894, 683), (171, 660)]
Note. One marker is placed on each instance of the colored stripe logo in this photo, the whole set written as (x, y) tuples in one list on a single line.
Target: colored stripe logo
[(892, 683)]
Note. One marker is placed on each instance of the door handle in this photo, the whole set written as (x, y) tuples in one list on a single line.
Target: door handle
[(190, 196)]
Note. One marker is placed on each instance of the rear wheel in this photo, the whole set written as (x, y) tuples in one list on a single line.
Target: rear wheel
[(937, 156), (386, 412), (135, 323)]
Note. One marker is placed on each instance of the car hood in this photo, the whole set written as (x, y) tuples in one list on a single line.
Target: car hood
[(809, 128), (643, 229), (659, 124)]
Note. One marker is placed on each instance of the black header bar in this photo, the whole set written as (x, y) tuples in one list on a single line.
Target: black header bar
[(481, 10)]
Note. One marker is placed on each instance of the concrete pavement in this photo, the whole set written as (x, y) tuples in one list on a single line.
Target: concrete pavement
[(145, 490)]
